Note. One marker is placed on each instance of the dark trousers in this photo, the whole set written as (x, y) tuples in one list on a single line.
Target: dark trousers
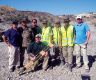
[(22, 52), (55, 55)]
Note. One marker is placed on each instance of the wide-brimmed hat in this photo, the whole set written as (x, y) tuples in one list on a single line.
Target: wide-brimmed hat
[(66, 19), (44, 21), (57, 22)]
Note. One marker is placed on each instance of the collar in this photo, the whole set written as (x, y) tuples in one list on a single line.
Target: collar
[(79, 24)]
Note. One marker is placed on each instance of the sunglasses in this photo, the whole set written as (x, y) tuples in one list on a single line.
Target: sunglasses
[(34, 22)]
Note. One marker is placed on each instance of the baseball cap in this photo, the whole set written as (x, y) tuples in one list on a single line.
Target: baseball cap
[(15, 22), (38, 36), (79, 17)]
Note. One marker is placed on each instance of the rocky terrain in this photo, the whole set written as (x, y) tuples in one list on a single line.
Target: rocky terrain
[(58, 72), (8, 14)]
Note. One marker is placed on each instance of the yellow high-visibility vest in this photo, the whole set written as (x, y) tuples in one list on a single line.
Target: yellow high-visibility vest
[(67, 36), (46, 35), (56, 35)]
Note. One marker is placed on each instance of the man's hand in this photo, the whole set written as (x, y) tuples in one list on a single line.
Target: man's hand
[(8, 44), (88, 37), (31, 56), (50, 45), (86, 43), (5, 39), (42, 53)]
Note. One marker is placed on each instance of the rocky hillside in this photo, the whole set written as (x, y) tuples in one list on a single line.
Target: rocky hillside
[(9, 14)]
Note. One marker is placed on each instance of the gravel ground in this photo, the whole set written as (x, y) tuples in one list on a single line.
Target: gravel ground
[(57, 73)]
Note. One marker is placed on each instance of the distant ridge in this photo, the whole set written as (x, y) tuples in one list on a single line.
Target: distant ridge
[(7, 8), (8, 13)]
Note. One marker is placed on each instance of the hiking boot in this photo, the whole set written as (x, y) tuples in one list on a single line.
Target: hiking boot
[(12, 69), (45, 69), (62, 63), (78, 66), (21, 71), (70, 67), (86, 68), (19, 67), (51, 67), (66, 65)]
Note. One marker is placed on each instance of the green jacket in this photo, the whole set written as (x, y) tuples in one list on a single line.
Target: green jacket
[(34, 47)]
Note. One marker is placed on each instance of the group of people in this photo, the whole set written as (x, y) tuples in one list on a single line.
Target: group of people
[(48, 42)]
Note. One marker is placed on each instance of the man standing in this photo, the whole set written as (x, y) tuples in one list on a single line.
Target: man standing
[(27, 36), (82, 35), (57, 42), (46, 32), (67, 43), (47, 37), (12, 38), (36, 29)]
